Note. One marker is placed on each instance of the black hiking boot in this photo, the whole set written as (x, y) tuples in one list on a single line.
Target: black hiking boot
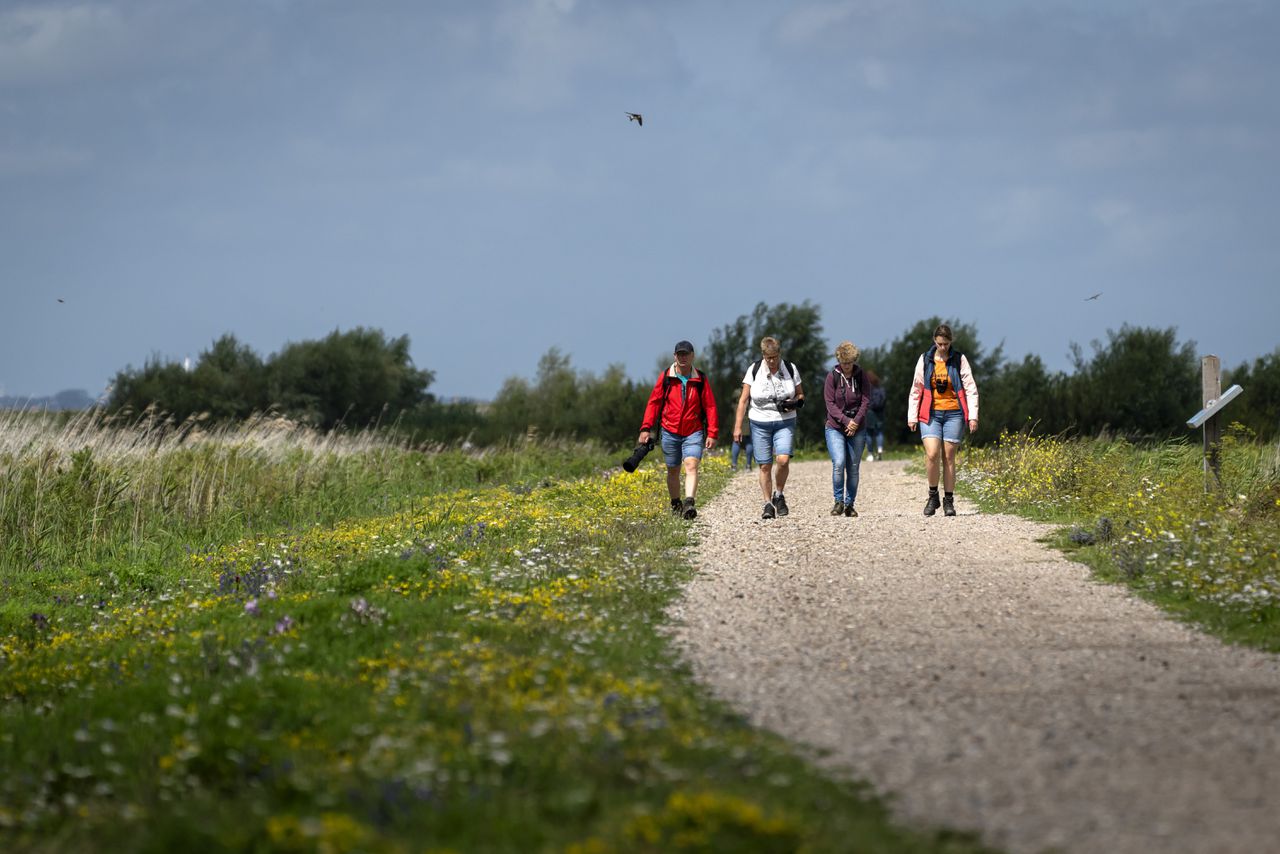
[(837, 509), (931, 506), (770, 512), (677, 507), (948, 505), (780, 502), (850, 512), (690, 512)]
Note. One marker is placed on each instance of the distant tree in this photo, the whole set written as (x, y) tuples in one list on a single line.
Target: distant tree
[(356, 378), (562, 402), (230, 380), (734, 347), (1022, 396), (1141, 382), (159, 385), (1259, 407)]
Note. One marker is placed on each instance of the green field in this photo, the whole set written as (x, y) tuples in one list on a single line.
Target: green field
[(1142, 516), (265, 639)]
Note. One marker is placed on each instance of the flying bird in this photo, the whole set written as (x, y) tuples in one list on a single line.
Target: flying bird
[(60, 299), (1095, 296), (636, 117)]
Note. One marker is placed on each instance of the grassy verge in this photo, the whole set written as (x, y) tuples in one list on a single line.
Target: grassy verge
[(476, 669), (1141, 516)]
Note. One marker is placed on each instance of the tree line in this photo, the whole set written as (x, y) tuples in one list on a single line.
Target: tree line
[(1140, 383)]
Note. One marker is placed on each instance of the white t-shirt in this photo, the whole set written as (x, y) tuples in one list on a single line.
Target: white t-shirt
[(767, 389)]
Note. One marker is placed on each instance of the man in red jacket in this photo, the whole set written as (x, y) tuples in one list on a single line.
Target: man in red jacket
[(682, 409)]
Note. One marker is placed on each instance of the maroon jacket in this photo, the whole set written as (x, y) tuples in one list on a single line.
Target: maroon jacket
[(843, 396)]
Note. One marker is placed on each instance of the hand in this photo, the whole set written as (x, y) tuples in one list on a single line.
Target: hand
[(644, 438), (737, 435), (711, 443), (973, 425), (911, 425), (851, 428)]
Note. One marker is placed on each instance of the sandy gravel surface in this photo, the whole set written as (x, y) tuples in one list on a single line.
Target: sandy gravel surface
[(978, 678)]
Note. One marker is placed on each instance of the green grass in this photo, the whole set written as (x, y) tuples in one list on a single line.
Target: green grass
[(474, 664), (1141, 516)]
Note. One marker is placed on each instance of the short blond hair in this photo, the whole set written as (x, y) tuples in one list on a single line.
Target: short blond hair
[(769, 346), (847, 352)]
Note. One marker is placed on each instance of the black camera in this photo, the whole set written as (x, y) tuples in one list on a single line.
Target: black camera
[(790, 404), (637, 456)]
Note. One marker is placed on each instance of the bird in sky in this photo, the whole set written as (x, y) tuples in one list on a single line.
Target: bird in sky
[(636, 117), (1095, 296), (60, 299)]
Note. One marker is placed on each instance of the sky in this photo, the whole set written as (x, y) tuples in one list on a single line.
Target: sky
[(463, 172)]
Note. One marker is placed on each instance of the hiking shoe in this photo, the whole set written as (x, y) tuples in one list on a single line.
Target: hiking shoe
[(850, 512), (931, 506), (770, 512), (690, 512), (780, 502), (676, 506), (948, 505), (837, 509), (880, 455)]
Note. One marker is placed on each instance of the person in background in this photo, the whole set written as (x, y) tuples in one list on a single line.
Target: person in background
[(682, 409), (744, 448), (943, 398), (771, 394), (845, 393), (875, 415)]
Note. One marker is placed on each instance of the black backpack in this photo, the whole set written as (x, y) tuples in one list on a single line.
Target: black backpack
[(755, 369)]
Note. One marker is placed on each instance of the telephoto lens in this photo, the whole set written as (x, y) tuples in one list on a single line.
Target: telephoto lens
[(630, 463)]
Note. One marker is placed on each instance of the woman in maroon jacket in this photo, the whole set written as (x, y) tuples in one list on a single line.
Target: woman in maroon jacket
[(683, 409), (845, 393)]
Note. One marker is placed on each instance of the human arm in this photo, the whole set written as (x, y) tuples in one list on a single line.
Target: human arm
[(970, 392), (917, 392), (652, 411), (743, 400)]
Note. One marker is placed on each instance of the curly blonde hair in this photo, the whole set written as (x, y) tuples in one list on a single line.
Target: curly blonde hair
[(847, 352)]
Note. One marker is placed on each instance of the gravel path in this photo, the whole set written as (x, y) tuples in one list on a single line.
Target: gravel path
[(997, 689)]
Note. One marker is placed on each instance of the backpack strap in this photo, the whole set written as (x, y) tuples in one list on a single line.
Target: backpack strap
[(755, 368)]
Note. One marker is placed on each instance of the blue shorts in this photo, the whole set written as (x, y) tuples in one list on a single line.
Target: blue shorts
[(676, 448), (947, 425), (772, 437)]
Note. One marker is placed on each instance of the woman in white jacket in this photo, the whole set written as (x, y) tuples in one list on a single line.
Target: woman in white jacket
[(943, 398)]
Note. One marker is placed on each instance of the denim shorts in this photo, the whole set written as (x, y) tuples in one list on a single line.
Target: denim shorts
[(772, 437), (947, 425), (676, 448)]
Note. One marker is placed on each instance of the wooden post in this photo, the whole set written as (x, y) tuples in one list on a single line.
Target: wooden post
[(1211, 390)]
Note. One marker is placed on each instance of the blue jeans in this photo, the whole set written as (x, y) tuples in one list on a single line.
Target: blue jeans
[(744, 448), (846, 458), (875, 438), (772, 437)]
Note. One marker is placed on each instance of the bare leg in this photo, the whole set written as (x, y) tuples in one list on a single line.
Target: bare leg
[(673, 481), (932, 451), (690, 476), (766, 480), (948, 466), (784, 467)]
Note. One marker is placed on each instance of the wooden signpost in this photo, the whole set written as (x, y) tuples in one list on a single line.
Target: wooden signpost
[(1207, 418)]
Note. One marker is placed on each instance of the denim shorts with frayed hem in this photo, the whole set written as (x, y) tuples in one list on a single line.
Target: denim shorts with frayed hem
[(947, 425)]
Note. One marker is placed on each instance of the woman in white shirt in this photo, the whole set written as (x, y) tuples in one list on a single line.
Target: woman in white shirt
[(771, 389)]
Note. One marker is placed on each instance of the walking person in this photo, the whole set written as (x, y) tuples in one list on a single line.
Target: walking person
[(682, 409), (771, 394), (875, 416), (944, 397), (845, 393), (743, 448)]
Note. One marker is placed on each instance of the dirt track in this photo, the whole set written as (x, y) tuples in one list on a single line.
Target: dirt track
[(978, 678)]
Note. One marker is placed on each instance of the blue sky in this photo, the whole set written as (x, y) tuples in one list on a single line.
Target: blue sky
[(463, 173)]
